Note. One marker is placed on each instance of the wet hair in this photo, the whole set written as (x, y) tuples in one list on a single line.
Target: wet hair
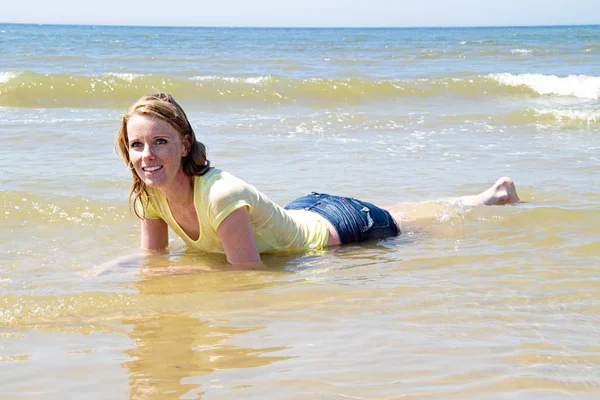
[(163, 106)]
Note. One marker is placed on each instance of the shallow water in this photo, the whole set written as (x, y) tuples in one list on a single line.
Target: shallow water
[(478, 303)]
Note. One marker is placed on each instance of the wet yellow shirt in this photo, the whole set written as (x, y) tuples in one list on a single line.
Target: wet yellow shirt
[(217, 194)]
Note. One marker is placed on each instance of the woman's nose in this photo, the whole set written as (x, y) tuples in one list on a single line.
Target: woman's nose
[(148, 152)]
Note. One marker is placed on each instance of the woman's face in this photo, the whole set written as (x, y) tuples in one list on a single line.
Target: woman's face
[(155, 150)]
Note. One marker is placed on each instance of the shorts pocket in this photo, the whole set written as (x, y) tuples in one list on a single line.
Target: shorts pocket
[(377, 222), (376, 217), (370, 222)]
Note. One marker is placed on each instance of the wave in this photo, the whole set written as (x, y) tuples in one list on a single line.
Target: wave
[(7, 76), (117, 90), (575, 117), (521, 51), (581, 86), (563, 117), (479, 43), (438, 53), (52, 57)]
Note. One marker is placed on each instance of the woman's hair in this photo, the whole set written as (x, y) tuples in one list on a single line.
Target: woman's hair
[(163, 106)]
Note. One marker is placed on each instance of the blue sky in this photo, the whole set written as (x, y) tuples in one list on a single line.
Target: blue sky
[(302, 13)]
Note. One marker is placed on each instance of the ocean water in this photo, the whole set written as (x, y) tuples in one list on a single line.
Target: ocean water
[(478, 303)]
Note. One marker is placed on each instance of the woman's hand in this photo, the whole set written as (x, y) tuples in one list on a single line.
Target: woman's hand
[(238, 240)]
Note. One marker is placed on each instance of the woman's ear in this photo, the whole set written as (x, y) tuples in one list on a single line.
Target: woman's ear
[(187, 144)]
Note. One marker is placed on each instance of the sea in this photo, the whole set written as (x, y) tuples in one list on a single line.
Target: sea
[(473, 303)]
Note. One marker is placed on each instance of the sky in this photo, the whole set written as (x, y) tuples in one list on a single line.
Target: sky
[(303, 13)]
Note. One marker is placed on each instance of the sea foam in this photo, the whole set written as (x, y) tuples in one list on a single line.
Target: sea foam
[(252, 80), (7, 76), (581, 86), (129, 77), (521, 51), (585, 116)]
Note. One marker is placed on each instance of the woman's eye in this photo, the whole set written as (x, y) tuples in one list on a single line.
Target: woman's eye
[(160, 141), (135, 144)]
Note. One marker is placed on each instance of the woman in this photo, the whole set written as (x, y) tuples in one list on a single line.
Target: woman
[(174, 185)]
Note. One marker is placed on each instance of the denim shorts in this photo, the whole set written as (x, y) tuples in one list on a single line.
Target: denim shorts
[(354, 220)]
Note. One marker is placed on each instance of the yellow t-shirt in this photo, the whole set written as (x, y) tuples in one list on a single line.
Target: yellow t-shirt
[(217, 194)]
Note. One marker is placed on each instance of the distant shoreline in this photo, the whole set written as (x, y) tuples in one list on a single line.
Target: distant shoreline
[(304, 27)]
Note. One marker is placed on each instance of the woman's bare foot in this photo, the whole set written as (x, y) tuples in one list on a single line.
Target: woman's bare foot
[(501, 192), (408, 215)]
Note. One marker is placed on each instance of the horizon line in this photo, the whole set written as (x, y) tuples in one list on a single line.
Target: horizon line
[(303, 27)]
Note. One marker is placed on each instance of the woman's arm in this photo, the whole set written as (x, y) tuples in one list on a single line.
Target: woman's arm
[(155, 234), (235, 233), (238, 240)]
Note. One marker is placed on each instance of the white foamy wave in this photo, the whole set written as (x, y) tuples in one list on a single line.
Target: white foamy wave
[(126, 77), (7, 76), (257, 80), (204, 78), (587, 116), (521, 51), (581, 86)]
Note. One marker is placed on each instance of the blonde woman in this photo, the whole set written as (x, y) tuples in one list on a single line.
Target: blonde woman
[(212, 210)]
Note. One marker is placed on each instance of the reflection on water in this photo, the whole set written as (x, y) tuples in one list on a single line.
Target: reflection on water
[(192, 338), (170, 347)]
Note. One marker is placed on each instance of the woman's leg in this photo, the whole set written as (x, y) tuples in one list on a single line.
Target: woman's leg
[(500, 193)]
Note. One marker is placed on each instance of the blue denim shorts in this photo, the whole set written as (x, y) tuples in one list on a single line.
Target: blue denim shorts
[(354, 220)]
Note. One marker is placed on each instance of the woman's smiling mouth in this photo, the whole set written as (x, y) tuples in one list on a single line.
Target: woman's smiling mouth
[(152, 169)]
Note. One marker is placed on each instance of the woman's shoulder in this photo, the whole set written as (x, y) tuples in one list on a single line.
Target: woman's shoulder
[(218, 183), (151, 203), (220, 177)]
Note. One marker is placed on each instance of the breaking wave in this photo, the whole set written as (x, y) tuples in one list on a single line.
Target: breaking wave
[(112, 90)]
